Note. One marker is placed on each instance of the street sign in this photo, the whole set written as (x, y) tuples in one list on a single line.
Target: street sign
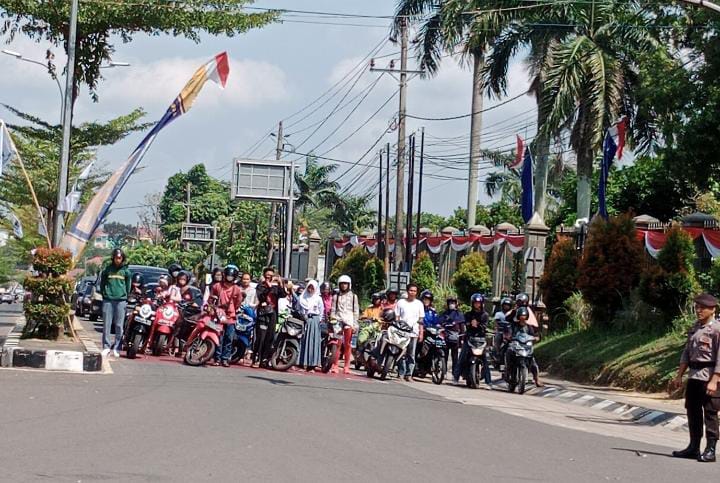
[(261, 180), (398, 280), (194, 232)]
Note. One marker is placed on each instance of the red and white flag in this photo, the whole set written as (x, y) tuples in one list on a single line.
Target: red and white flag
[(519, 153), (617, 131)]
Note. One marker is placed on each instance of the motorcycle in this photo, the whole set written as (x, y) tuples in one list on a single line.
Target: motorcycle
[(205, 338), (166, 316), (476, 361), (286, 346), (364, 341), (332, 340), (518, 359), (244, 330), (431, 355), (391, 346), (141, 320), (185, 326)]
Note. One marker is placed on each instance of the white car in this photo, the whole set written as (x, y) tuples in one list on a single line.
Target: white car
[(7, 298)]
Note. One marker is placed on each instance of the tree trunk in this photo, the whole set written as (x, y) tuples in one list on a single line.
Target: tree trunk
[(584, 181), (475, 135), (542, 150)]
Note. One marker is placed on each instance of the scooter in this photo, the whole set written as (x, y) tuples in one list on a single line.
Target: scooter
[(332, 340), (205, 338), (141, 320), (244, 330), (518, 359), (364, 341), (390, 348), (476, 363), (286, 346), (185, 326), (431, 355), (166, 316)]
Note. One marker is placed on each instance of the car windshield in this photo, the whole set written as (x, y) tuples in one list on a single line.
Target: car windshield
[(88, 289), (151, 275)]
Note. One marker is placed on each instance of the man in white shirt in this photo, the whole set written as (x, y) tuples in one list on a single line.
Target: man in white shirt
[(411, 311)]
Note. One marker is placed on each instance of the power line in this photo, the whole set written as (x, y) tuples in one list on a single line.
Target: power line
[(463, 116)]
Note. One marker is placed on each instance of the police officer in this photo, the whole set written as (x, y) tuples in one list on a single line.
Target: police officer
[(702, 398)]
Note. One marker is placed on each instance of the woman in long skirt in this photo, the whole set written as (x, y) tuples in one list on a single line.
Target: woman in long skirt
[(310, 305)]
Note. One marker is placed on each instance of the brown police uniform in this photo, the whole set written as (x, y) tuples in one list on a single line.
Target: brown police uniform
[(701, 354)]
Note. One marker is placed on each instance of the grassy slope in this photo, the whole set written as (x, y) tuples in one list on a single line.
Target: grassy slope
[(640, 361)]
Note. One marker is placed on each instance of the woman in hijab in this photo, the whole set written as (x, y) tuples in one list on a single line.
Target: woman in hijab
[(310, 305)]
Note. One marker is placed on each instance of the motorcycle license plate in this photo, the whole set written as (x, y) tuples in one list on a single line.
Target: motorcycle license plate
[(353, 342), (141, 320), (439, 343), (166, 322), (213, 326), (263, 327)]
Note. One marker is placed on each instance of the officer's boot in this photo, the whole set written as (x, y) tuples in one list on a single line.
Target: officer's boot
[(709, 455), (691, 452)]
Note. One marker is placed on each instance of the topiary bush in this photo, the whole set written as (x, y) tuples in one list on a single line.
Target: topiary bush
[(48, 312), (423, 273), (559, 279), (610, 266), (472, 275), (352, 264), (374, 276), (669, 284)]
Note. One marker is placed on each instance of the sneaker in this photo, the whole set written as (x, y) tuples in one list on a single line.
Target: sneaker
[(408, 379), (225, 364), (116, 354), (105, 352), (456, 380)]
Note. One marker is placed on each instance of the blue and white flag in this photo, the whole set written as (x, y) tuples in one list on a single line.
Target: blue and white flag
[(609, 150), (7, 147), (526, 179)]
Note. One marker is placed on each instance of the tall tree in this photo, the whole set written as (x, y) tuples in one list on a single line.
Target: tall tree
[(314, 187), (118, 233), (102, 23)]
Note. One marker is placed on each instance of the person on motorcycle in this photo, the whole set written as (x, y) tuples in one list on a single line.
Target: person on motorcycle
[(187, 293), (247, 288), (346, 310), (137, 286), (268, 292), (230, 299), (476, 323), (216, 277), (162, 291), (373, 312), (326, 293), (452, 320), (431, 316), (501, 323), (411, 311), (523, 300), (174, 269), (522, 315), (391, 299)]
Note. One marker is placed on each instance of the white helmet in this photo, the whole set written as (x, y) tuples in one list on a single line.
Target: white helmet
[(345, 279)]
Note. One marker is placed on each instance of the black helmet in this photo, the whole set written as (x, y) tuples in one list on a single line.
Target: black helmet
[(118, 253), (375, 297), (232, 271), (522, 311), (138, 278), (427, 294), (451, 298), (506, 301), (174, 269), (477, 297), (522, 299), (184, 273), (325, 287), (388, 315)]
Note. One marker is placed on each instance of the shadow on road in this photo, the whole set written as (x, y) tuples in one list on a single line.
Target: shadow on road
[(641, 452), (279, 382)]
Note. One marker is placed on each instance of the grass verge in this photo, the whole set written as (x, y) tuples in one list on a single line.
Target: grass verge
[(640, 361)]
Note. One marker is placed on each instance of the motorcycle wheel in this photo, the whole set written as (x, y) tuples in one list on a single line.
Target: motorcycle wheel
[(473, 375), (370, 366), (328, 360), (160, 345), (387, 367), (136, 343), (438, 370), (238, 352), (199, 352), (284, 357), (522, 379), (359, 358)]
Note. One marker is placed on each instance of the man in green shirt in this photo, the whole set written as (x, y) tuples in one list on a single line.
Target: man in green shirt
[(114, 286)]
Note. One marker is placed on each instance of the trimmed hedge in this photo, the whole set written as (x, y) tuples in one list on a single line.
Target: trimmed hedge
[(48, 311)]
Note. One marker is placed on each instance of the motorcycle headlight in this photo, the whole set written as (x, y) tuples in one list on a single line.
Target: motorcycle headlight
[(477, 351), (145, 311), (293, 332)]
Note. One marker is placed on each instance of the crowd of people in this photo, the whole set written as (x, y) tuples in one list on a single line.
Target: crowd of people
[(272, 297)]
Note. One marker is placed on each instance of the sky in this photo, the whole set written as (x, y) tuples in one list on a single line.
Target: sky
[(274, 72)]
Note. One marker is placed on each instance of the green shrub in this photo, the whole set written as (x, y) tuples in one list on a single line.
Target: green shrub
[(559, 279), (367, 272), (576, 314), (48, 311), (670, 284), (374, 276), (610, 265), (423, 273), (472, 275), (52, 261)]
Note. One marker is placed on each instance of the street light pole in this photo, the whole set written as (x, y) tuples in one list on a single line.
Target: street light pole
[(67, 126), (19, 56)]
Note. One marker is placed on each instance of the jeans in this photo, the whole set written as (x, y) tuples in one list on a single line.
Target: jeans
[(406, 364), (113, 313), (224, 351), (463, 361)]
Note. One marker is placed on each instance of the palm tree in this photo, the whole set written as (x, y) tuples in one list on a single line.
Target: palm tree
[(314, 187), (351, 213)]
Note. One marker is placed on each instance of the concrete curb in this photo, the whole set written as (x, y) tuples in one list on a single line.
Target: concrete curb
[(637, 414), (12, 354)]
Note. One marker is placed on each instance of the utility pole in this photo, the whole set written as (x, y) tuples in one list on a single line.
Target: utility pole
[(408, 228), (188, 188), (419, 207), (67, 125), (273, 205), (475, 134), (379, 241), (387, 211), (289, 215), (400, 195)]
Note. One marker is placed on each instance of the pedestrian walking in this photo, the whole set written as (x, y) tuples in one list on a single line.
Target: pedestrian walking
[(115, 282), (268, 292), (411, 311), (701, 358), (310, 305)]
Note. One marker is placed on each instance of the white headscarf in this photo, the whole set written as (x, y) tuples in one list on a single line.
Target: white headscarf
[(310, 302)]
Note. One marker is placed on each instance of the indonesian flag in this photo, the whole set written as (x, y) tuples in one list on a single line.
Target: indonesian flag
[(617, 132), (216, 70), (519, 152)]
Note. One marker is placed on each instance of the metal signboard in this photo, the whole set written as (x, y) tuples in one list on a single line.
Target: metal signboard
[(398, 280), (194, 232), (261, 180)]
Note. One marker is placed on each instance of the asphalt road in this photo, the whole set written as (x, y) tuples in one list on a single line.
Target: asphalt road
[(8, 313), (157, 420)]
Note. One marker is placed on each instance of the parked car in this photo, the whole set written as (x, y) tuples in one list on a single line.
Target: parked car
[(7, 298), (151, 275), (79, 292), (83, 303)]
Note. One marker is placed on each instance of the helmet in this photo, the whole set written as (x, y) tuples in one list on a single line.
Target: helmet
[(477, 297), (232, 271), (164, 277), (118, 252), (344, 279), (174, 269), (388, 315), (451, 299), (427, 294), (184, 273), (138, 278), (375, 297), (325, 287), (522, 311), (522, 299), (506, 301)]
